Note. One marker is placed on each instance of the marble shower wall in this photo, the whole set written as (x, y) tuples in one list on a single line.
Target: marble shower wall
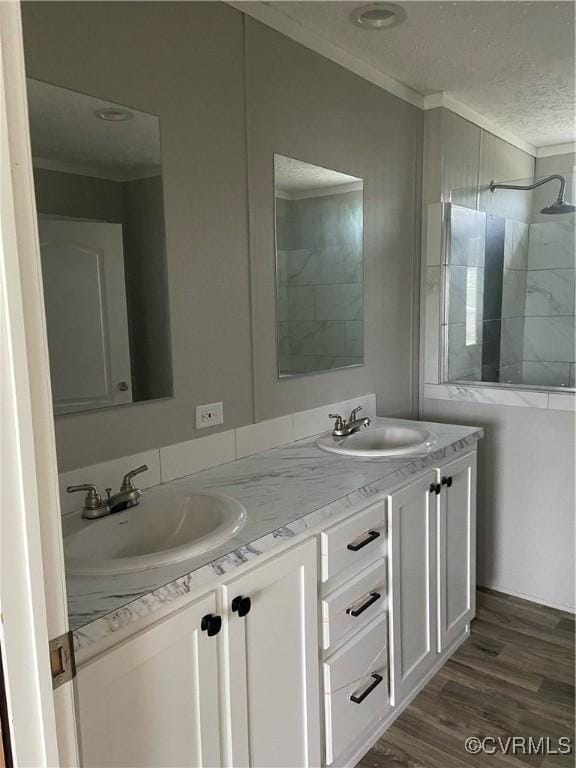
[(465, 279), (513, 300), (510, 300), (549, 339), (320, 282)]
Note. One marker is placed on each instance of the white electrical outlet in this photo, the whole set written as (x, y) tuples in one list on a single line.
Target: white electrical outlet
[(209, 415)]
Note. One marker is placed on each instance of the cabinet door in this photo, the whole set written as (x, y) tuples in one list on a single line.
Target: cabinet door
[(457, 549), (153, 701), (271, 658), (412, 576)]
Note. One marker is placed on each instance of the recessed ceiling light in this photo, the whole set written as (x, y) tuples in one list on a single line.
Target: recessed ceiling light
[(378, 16), (114, 114)]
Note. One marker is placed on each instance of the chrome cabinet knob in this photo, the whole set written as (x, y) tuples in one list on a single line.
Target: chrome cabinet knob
[(123, 386)]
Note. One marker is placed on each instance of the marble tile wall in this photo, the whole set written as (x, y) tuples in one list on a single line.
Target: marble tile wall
[(432, 321), (519, 328), (465, 265), (513, 300), (549, 338), (320, 282), (492, 297)]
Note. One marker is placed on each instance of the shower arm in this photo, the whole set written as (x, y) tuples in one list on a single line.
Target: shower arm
[(561, 179)]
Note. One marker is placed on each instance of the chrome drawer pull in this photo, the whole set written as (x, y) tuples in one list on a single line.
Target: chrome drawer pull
[(370, 536), (376, 680), (372, 598)]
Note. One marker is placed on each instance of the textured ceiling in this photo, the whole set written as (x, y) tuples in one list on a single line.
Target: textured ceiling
[(64, 131), (297, 176), (512, 62)]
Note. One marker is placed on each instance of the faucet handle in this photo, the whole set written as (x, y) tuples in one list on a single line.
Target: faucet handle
[(127, 484), (93, 499), (339, 420), (354, 412)]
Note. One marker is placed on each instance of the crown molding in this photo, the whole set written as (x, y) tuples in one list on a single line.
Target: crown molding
[(442, 100), (268, 15), (551, 150)]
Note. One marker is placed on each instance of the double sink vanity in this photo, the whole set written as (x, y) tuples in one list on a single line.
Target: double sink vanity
[(278, 610)]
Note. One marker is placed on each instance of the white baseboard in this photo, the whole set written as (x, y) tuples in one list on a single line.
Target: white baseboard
[(530, 598)]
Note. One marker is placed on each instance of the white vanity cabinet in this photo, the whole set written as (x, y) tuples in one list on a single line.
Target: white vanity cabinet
[(233, 679), (153, 700), (431, 567), (161, 698), (270, 645), (456, 549), (412, 526)]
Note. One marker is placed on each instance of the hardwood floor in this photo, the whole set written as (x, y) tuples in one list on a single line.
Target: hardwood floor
[(514, 676)]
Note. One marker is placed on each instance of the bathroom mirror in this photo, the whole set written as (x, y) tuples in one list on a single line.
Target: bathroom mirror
[(319, 267), (98, 183)]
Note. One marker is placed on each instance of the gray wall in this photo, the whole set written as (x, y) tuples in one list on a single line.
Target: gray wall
[(460, 161), (304, 106), (81, 197), (185, 63), (526, 461), (147, 288), (182, 62)]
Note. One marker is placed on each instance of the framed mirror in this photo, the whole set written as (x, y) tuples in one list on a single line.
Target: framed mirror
[(98, 184), (319, 224)]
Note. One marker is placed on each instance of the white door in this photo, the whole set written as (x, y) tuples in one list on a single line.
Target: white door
[(153, 701), (32, 586), (271, 658), (85, 298), (456, 549), (412, 575)]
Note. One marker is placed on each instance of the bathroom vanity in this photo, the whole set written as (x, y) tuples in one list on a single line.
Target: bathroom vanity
[(302, 645)]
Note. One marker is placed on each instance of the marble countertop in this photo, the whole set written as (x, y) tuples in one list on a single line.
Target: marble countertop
[(285, 491)]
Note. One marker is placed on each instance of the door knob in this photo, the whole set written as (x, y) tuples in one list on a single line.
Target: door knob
[(241, 605)]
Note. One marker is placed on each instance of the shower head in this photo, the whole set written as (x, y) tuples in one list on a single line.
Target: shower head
[(558, 206)]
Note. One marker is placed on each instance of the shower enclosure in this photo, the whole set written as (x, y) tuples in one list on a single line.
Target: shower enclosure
[(510, 290)]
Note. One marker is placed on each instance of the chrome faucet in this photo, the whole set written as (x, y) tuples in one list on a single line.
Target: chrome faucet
[(95, 507), (343, 428)]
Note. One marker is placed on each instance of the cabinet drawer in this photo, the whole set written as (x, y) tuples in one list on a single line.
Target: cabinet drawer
[(354, 605), (355, 542), (355, 687)]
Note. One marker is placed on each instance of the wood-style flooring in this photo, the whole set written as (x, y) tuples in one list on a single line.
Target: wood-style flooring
[(514, 676)]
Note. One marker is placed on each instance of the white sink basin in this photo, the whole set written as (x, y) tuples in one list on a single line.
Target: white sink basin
[(164, 528), (393, 439)]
